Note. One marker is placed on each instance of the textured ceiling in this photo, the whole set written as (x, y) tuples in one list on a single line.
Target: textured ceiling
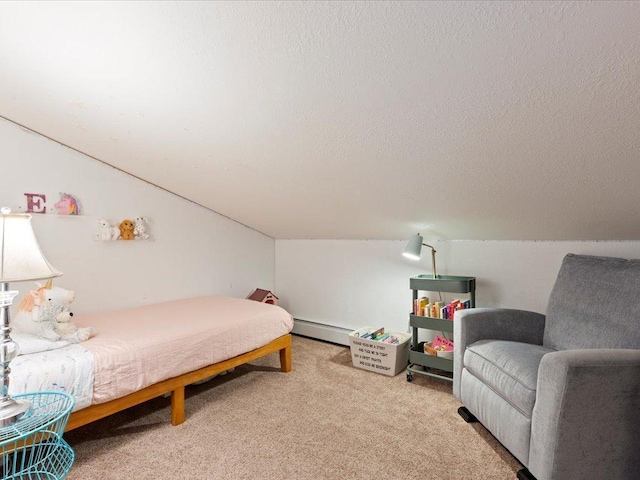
[(365, 120)]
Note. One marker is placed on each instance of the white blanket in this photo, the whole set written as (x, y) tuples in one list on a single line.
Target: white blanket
[(68, 369)]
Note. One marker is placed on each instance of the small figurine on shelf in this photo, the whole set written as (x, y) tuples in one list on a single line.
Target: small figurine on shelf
[(140, 228), (126, 229), (108, 231), (68, 205)]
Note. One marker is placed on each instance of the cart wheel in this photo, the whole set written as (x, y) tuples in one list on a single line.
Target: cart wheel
[(409, 377)]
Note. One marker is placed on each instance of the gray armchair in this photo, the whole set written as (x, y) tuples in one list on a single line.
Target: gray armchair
[(561, 392)]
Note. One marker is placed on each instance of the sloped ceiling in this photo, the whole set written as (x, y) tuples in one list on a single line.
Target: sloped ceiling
[(363, 120)]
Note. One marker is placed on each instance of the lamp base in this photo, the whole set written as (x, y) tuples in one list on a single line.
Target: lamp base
[(12, 410)]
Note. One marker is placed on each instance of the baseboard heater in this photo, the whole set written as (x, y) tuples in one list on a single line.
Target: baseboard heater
[(321, 331)]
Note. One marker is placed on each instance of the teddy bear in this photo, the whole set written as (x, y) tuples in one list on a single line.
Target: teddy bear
[(69, 331), (126, 230), (108, 231), (140, 229)]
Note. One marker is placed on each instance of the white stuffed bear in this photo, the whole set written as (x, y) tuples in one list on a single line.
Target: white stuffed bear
[(108, 231), (140, 229), (69, 331)]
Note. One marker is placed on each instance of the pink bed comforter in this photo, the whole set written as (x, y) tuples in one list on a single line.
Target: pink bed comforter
[(137, 347)]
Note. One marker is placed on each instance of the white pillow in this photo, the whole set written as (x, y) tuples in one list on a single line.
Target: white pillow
[(32, 344)]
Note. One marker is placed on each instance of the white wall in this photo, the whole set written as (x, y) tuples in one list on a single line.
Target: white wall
[(346, 283), (351, 284), (194, 251)]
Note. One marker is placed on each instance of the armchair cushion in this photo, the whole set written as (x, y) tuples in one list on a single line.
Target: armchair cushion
[(510, 369), (594, 304), (476, 324)]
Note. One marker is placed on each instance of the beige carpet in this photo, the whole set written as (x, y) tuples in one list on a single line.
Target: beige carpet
[(324, 420)]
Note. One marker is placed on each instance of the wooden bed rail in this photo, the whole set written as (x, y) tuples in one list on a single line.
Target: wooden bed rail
[(176, 385)]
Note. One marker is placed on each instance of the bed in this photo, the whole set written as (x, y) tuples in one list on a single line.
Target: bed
[(141, 353)]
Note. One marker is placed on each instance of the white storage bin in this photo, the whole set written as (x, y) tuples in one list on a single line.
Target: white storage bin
[(385, 358)]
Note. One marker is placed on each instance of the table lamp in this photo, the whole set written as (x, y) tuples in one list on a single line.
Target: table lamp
[(20, 260), (414, 247)]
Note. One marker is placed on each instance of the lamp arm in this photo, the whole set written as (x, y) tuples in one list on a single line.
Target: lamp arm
[(433, 259)]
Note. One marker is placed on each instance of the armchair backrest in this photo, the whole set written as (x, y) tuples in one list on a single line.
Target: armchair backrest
[(595, 303)]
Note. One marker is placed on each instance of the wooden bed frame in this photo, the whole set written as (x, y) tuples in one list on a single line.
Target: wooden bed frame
[(176, 385)]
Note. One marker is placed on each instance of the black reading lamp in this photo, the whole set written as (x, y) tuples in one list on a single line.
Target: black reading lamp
[(414, 247)]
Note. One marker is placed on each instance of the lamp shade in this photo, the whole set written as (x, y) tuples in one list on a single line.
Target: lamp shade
[(414, 247), (20, 255)]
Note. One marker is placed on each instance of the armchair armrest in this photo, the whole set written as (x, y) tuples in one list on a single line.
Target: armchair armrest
[(586, 419), (475, 324)]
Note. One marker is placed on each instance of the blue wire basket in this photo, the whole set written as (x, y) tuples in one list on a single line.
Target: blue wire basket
[(33, 448)]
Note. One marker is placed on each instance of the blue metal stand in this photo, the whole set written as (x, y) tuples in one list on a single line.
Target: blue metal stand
[(33, 448)]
